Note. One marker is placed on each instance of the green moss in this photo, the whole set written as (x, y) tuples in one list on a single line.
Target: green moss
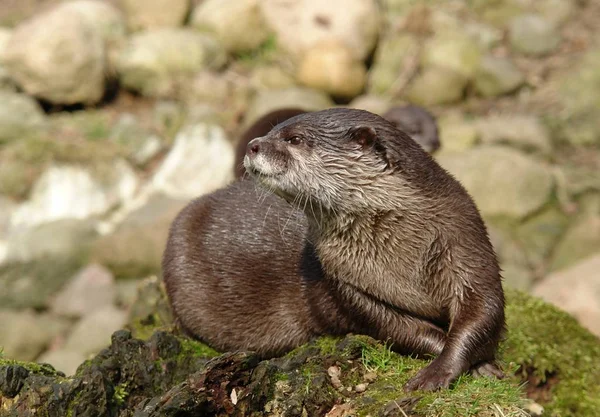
[(196, 348), (121, 393), (546, 342), (33, 367), (264, 53)]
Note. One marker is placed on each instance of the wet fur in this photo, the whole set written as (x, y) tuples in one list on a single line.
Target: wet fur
[(390, 246)]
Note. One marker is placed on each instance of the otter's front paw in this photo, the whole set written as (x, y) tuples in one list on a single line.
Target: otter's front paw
[(433, 377)]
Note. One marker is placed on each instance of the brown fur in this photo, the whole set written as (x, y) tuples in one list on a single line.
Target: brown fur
[(390, 246)]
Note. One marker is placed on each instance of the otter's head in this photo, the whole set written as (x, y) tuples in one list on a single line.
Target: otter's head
[(336, 160)]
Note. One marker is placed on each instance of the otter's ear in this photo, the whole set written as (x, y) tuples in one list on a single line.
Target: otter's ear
[(365, 136)]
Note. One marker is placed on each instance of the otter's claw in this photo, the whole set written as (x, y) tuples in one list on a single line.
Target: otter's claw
[(431, 378)]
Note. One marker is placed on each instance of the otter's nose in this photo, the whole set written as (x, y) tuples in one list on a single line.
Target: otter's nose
[(253, 147)]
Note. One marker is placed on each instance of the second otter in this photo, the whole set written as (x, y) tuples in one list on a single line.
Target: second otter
[(390, 246)]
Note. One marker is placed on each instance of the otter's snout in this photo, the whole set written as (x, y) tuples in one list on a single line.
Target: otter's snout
[(253, 147)]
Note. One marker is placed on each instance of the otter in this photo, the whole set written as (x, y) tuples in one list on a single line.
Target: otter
[(367, 235), (414, 120)]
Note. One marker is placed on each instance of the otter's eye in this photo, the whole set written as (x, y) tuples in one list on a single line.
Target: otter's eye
[(293, 140)]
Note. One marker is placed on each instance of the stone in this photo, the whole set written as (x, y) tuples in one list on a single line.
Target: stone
[(392, 56), (31, 284), (135, 248), (5, 81), (20, 115), (93, 332), (579, 92), (58, 56), (539, 234), (520, 130), (61, 238), (159, 62), (502, 181), (66, 361), (93, 288), (457, 133), (556, 12), (582, 239), (73, 192), (576, 290), (513, 260), (149, 148), (269, 100), (141, 144), (369, 102), (452, 50), (7, 207), (330, 67), (532, 34), (437, 85), (486, 36), (152, 14), (355, 23), (239, 25), (200, 161), (271, 77), (25, 334), (127, 290), (497, 76)]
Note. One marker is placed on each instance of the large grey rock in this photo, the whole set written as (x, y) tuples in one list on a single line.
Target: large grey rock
[(61, 238), (20, 115), (300, 24), (437, 85), (24, 334), (576, 290), (7, 206), (330, 67), (73, 192), (151, 14), (457, 133), (92, 333), (374, 104), (453, 50), (93, 288), (32, 284), (200, 161), (59, 55), (523, 131), (66, 361), (5, 81), (391, 57), (582, 239), (239, 25), (269, 100), (503, 181), (533, 34), (159, 62), (135, 248), (516, 272), (497, 76)]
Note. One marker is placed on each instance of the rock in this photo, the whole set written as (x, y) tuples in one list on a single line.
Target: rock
[(152, 14), (555, 11), (147, 150), (72, 192), (5, 81), (142, 145), (31, 284), (539, 234), (522, 131), (516, 272), (486, 36), (271, 77), (392, 56), (497, 76), (20, 115), (579, 93), (92, 333), (127, 292), (135, 248), (532, 34), (93, 288), (25, 335), (355, 23), (436, 85), (239, 25), (452, 50), (150, 309), (582, 239), (502, 181), (457, 133), (66, 361), (330, 67), (374, 104), (7, 206), (269, 100), (58, 56), (200, 161), (159, 62), (61, 238), (576, 290)]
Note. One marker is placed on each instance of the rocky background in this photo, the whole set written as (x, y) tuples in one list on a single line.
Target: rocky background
[(114, 114)]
